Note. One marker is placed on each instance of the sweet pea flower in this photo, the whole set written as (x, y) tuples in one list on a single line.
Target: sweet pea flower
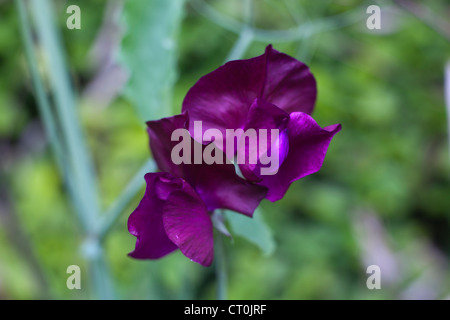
[(171, 215), (217, 184), (271, 91), (176, 209)]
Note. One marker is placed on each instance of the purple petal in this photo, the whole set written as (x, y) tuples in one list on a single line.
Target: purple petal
[(160, 132), (308, 144), (220, 187), (222, 98), (289, 83), (266, 115), (146, 223), (188, 225), (217, 184), (264, 118)]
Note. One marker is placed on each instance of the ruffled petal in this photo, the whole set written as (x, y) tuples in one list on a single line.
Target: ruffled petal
[(217, 184), (271, 144), (308, 144), (146, 223), (289, 83), (222, 98), (160, 133), (188, 225), (220, 187)]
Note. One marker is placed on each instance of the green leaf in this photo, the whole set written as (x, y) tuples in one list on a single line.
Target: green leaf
[(148, 52), (253, 229)]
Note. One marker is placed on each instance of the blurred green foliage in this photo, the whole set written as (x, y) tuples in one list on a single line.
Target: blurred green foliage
[(382, 196)]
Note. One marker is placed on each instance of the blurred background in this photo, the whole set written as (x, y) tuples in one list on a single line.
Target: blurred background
[(73, 147)]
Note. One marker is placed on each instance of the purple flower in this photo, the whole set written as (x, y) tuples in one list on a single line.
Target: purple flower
[(273, 95), (271, 91), (171, 215), (176, 207), (217, 184)]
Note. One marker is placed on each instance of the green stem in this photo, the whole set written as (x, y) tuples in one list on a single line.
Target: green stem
[(41, 97), (101, 281), (71, 151), (77, 154), (43, 102), (221, 267)]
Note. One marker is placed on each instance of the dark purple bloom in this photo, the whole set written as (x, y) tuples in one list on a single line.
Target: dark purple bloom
[(217, 184), (302, 147), (176, 207), (222, 98), (171, 215), (271, 91)]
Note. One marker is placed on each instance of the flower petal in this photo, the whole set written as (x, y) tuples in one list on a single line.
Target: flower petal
[(264, 118), (289, 83), (188, 225), (308, 144), (160, 133), (220, 187), (222, 98), (217, 184), (146, 223)]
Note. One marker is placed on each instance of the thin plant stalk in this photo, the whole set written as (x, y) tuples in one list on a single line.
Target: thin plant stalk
[(221, 267), (71, 152), (78, 156)]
